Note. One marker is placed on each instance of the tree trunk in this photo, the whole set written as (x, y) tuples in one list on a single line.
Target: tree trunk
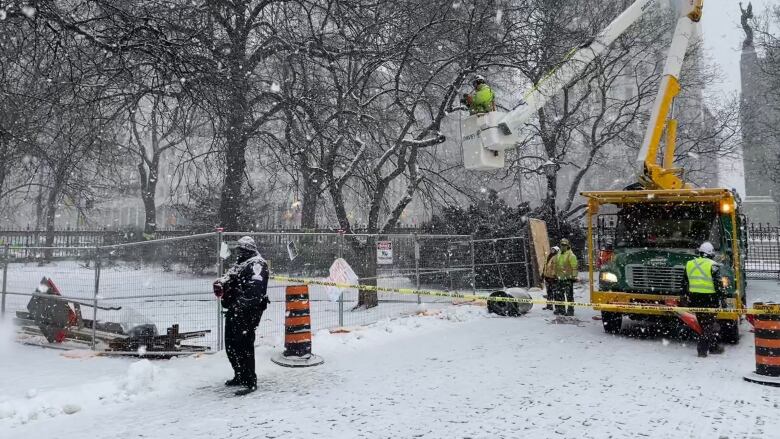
[(309, 210), (310, 200), (365, 264), (235, 166), (550, 201), (4, 161), (150, 210), (39, 220), (368, 298), (51, 214), (148, 190)]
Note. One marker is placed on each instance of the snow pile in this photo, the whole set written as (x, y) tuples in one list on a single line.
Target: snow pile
[(142, 377), (141, 380)]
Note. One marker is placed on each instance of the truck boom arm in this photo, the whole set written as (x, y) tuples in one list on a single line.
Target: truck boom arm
[(486, 136), (574, 64), (665, 175)]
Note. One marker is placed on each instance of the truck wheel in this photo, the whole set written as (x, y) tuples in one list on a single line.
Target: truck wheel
[(729, 331), (612, 322)]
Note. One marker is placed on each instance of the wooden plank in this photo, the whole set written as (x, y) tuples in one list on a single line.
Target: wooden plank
[(540, 248)]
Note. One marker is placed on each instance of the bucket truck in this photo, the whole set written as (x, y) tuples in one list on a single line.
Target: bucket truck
[(662, 219)]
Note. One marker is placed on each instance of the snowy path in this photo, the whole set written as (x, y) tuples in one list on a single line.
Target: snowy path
[(456, 374)]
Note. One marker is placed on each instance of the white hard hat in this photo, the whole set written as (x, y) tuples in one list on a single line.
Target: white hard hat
[(478, 78), (707, 248), (556, 248)]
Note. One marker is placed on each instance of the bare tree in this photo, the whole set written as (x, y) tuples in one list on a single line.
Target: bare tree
[(64, 95), (156, 125)]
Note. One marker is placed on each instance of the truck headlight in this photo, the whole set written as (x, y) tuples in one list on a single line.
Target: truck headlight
[(608, 277)]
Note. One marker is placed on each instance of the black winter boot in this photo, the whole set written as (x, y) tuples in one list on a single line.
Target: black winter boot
[(233, 382), (246, 390)]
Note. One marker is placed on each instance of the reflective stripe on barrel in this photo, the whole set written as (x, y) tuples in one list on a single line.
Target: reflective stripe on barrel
[(297, 322), (767, 330), (768, 324)]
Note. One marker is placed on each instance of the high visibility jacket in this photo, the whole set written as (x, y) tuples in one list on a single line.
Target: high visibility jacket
[(482, 100), (549, 267), (699, 274), (566, 265)]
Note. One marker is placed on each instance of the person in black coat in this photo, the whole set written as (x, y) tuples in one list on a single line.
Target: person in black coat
[(243, 290)]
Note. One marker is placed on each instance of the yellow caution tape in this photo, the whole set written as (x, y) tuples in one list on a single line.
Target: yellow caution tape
[(613, 307)]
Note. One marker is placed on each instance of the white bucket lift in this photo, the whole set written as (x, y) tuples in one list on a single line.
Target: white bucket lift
[(484, 142)]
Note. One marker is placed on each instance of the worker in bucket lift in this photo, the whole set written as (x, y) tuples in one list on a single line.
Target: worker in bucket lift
[(565, 275), (482, 100), (243, 291), (549, 275), (702, 289)]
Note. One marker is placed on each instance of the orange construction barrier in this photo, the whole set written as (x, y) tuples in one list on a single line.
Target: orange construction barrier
[(767, 330), (297, 330)]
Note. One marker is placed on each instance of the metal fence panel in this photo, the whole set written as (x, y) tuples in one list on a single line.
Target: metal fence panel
[(159, 285), (72, 271), (763, 255), (502, 263)]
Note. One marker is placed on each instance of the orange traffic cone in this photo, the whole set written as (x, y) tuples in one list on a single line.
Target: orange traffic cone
[(297, 330)]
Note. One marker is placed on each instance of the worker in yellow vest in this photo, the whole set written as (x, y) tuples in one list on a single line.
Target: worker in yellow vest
[(703, 290), (565, 275), (482, 100)]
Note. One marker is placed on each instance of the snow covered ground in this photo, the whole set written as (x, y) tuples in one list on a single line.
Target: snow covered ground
[(450, 373)]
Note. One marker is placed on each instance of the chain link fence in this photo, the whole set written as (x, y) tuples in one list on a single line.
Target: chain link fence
[(155, 297)]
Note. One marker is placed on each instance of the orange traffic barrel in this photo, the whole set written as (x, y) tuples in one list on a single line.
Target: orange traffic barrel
[(767, 329), (297, 330)]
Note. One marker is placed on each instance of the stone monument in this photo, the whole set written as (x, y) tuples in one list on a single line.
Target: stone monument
[(758, 147)]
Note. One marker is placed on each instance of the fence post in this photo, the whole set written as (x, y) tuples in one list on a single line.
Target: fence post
[(417, 266), (527, 262), (449, 265), (220, 272), (473, 266), (341, 293), (5, 277), (95, 297)]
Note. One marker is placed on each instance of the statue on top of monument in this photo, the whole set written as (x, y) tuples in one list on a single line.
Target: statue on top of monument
[(747, 14)]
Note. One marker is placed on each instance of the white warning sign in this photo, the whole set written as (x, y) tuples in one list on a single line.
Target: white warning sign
[(384, 253)]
